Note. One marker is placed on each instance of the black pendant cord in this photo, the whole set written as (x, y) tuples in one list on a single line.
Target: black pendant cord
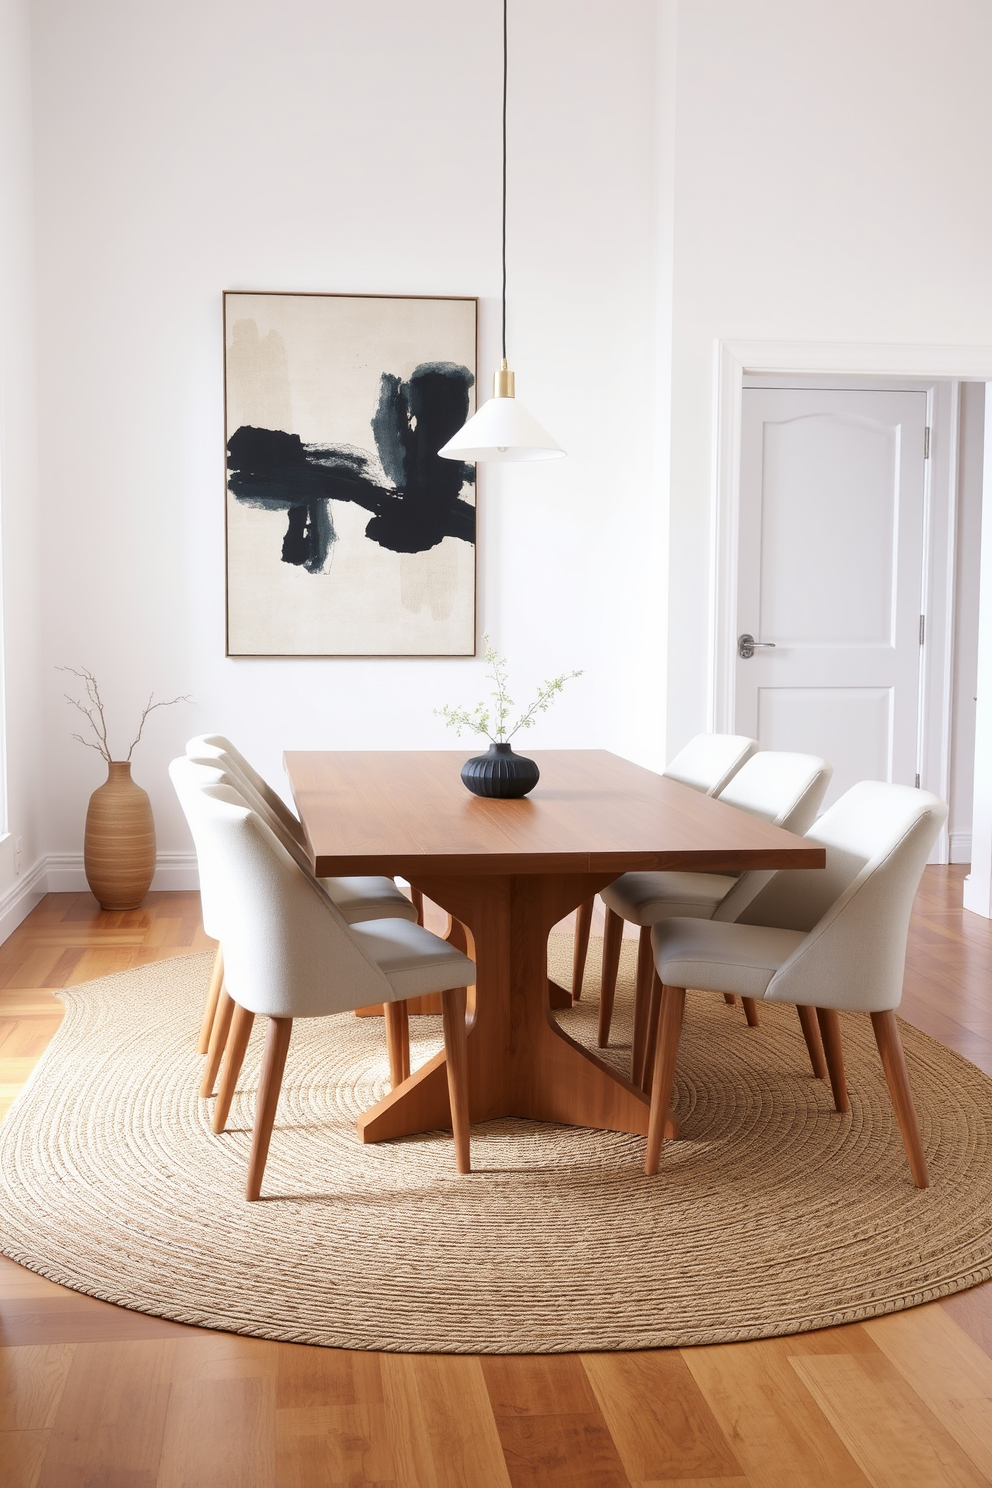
[(504, 179)]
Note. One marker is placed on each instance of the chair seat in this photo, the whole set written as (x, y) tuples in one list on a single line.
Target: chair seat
[(368, 898), (414, 960), (716, 957), (645, 898)]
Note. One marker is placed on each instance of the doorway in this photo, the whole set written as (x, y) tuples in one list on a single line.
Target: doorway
[(830, 622), (867, 723)]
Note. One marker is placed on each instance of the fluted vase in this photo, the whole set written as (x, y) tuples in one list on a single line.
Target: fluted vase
[(119, 846), (499, 772)]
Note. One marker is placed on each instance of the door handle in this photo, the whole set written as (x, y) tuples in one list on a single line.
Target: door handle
[(747, 645)]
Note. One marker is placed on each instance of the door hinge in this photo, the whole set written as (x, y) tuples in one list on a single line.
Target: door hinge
[(923, 628), (926, 442), (917, 782)]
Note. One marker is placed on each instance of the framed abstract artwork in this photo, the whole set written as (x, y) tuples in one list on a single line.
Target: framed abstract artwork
[(347, 535)]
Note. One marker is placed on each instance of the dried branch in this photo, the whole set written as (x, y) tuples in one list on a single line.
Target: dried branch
[(94, 714), (150, 708), (88, 742), (96, 718)]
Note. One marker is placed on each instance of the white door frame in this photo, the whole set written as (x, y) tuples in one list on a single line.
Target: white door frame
[(733, 359)]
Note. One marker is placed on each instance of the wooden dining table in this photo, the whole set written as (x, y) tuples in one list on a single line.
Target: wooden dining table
[(508, 871)]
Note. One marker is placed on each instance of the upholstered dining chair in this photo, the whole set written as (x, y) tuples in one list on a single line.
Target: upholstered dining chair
[(834, 941), (367, 897), (707, 763), (189, 775), (290, 953), (377, 895), (782, 788)]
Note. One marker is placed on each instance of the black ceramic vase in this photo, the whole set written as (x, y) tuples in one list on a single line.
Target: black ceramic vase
[(500, 772)]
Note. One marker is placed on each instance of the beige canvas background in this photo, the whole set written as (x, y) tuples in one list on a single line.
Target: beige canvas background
[(310, 365)]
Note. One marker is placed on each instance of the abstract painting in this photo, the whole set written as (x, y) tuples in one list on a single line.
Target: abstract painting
[(347, 534)]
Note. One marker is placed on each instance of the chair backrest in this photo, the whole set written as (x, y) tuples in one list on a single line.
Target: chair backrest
[(709, 761), (219, 759), (856, 910), (288, 951), (784, 789), (207, 746), (188, 778)]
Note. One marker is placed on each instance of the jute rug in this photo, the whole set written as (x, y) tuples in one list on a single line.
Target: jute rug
[(771, 1215)]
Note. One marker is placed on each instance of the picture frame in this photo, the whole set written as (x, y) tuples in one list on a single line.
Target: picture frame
[(346, 534)]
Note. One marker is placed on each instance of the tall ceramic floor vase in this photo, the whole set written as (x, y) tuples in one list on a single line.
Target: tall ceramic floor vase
[(119, 847)]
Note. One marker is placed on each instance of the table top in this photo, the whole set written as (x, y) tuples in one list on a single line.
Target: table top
[(407, 812)]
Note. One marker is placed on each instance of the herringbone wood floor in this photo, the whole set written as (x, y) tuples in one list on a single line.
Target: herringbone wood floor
[(96, 1397)]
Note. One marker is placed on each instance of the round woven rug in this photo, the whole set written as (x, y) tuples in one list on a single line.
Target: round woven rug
[(771, 1214)]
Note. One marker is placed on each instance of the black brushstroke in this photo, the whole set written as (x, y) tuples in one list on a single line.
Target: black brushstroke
[(309, 536), (275, 471)]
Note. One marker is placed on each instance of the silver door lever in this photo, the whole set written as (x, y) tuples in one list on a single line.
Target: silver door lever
[(747, 645)]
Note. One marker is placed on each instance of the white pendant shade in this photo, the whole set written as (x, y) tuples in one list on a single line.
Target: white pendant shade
[(501, 430)]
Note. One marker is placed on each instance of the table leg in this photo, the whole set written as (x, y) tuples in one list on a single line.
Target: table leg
[(558, 996), (520, 1063)]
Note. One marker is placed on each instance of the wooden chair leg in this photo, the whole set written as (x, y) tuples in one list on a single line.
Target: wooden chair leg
[(669, 1031), (456, 1059), (644, 1076), (730, 999), (886, 1031), (218, 1042), (830, 1032), (398, 1041), (461, 937), (750, 1011), (417, 900), (642, 997), (811, 1033), (237, 1047), (583, 924), (210, 1007), (273, 1063), (612, 941)]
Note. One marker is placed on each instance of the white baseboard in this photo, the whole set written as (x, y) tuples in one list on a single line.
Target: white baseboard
[(22, 897), (176, 871), (960, 847), (172, 871), (65, 873), (62, 873)]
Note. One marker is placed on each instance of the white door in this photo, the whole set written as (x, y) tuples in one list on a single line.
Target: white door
[(830, 578)]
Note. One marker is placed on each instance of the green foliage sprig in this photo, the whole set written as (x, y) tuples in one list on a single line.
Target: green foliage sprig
[(491, 718)]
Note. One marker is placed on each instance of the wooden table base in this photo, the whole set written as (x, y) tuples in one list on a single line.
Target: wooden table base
[(520, 1063)]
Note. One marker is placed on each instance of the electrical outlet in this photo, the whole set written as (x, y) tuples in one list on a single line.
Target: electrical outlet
[(18, 853)]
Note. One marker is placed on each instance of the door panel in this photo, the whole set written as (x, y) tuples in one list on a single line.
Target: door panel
[(825, 477), (830, 572), (849, 726)]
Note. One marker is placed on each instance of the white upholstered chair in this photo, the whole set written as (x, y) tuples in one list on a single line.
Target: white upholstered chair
[(366, 897), (710, 761), (778, 787), (834, 940), (189, 775), (707, 763), (290, 953)]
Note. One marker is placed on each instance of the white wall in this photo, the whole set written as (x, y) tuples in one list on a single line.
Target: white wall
[(213, 144), (788, 171), (831, 184), (20, 873)]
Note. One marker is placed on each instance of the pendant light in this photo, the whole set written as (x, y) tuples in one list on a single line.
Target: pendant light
[(502, 429)]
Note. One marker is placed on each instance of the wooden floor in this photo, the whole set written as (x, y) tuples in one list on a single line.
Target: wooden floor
[(96, 1397)]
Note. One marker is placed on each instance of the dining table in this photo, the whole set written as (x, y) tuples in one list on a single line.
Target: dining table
[(507, 871)]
